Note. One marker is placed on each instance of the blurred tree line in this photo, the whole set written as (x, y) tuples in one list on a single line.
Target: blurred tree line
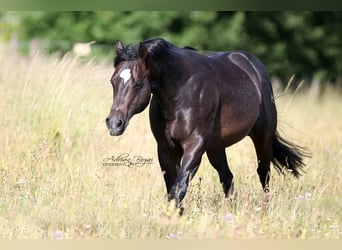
[(307, 44)]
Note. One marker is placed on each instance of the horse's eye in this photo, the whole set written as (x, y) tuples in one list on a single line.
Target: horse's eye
[(138, 85)]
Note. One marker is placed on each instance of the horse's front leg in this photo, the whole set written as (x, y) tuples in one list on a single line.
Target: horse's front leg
[(193, 151)]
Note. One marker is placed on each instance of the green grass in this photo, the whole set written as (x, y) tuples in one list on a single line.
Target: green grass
[(53, 183)]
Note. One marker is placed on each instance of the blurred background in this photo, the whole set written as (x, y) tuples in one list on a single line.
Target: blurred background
[(304, 44), (55, 94)]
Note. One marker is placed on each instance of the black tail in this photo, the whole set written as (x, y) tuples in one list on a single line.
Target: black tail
[(288, 156)]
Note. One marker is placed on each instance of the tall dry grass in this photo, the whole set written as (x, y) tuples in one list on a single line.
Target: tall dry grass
[(53, 183)]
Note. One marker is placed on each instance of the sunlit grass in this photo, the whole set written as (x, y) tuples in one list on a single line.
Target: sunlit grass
[(53, 183)]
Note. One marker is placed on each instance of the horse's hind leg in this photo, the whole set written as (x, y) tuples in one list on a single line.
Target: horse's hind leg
[(218, 160), (264, 155), (262, 138)]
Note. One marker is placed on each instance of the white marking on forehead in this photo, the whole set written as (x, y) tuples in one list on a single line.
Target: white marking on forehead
[(125, 75)]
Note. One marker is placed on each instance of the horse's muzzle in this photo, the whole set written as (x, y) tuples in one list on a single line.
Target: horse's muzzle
[(115, 126)]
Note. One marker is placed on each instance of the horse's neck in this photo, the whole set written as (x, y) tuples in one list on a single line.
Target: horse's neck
[(167, 92)]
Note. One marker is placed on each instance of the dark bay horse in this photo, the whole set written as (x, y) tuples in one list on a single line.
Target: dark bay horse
[(200, 104)]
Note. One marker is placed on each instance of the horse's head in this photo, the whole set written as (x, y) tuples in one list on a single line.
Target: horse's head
[(131, 87)]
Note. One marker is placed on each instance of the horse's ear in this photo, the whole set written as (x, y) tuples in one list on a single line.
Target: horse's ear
[(142, 51), (119, 47)]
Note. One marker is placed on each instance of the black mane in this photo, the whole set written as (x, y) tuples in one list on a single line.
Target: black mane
[(129, 53), (157, 49)]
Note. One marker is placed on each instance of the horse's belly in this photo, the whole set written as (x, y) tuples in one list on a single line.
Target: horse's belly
[(232, 135), (233, 126)]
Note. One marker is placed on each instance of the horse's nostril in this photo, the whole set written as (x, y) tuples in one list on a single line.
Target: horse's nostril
[(119, 123), (107, 119)]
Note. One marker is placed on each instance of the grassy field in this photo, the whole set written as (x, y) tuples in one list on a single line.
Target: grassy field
[(53, 183)]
